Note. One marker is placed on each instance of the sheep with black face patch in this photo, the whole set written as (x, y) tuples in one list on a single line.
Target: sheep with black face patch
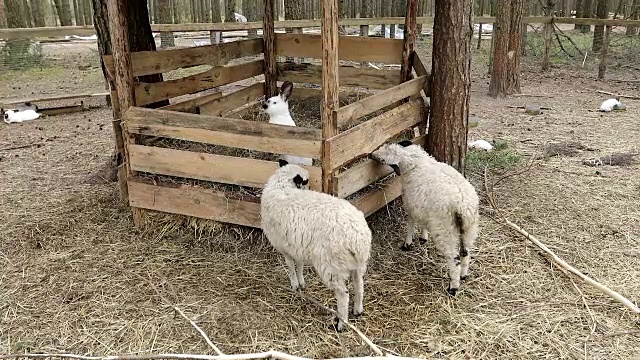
[(317, 229), (439, 200)]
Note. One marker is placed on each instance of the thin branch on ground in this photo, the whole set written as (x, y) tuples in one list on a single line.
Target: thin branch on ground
[(552, 256), (619, 95), (38, 144), (264, 355)]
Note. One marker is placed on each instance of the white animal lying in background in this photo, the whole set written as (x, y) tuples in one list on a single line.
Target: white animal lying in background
[(277, 107), (610, 104), (22, 112), (313, 228), (239, 17), (481, 145)]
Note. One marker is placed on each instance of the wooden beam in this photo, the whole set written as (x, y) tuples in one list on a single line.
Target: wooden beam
[(410, 27), (330, 85), (233, 100), (351, 48), (347, 114), (366, 137), (194, 201), (210, 167), (374, 201), (244, 134), (192, 105), (349, 75), (364, 174), (421, 70), (269, 39), (165, 60), (148, 93), (123, 74), (49, 32), (8, 102), (57, 110)]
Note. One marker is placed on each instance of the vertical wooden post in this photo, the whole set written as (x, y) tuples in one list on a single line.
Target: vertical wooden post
[(547, 32), (123, 74), (269, 38), (364, 32), (330, 89), (410, 24), (602, 68)]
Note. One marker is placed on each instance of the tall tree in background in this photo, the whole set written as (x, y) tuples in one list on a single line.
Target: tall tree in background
[(15, 16), (505, 67), (86, 9), (38, 12), (229, 11), (635, 15), (292, 11), (78, 13), (451, 80), (583, 10), (26, 11), (3, 18), (164, 16), (64, 12), (602, 11)]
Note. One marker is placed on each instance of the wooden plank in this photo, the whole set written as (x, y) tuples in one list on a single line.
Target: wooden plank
[(374, 201), (147, 93), (409, 38), (58, 110), (192, 105), (366, 137), (421, 70), (7, 102), (269, 39), (594, 21), (347, 114), (160, 61), (49, 31), (349, 75), (330, 82), (351, 48), (233, 100), (367, 172), (210, 167), (244, 134), (194, 201)]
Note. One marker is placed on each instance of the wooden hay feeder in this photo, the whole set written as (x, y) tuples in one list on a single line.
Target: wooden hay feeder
[(212, 119)]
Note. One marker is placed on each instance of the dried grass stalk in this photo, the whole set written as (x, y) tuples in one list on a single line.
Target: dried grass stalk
[(264, 355)]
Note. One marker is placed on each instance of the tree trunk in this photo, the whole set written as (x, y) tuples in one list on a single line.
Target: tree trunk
[(64, 12), (229, 11), (293, 11), (77, 14), (15, 16), (515, 43), (603, 13), (602, 68), (26, 12), (88, 16), (499, 62), (526, 12), (585, 13), (3, 17), (37, 9), (451, 81), (579, 6), (635, 15), (164, 16)]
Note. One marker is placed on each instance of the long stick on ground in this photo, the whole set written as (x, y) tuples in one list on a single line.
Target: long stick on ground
[(558, 261), (264, 355), (619, 95), (204, 335)]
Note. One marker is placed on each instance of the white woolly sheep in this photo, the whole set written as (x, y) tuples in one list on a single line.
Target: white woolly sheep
[(314, 228), (439, 200)]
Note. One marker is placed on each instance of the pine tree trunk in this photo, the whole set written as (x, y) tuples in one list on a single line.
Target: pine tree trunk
[(602, 12), (515, 43), (451, 81), (229, 11), (579, 7), (26, 12), (586, 13), (64, 12), (37, 9), (499, 62), (15, 16), (635, 15), (293, 11), (88, 16), (77, 14), (164, 16)]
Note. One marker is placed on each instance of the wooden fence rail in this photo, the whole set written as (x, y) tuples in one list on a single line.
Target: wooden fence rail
[(60, 31)]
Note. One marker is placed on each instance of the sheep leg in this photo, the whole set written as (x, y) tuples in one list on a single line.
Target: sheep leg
[(299, 273), (292, 272), (408, 242), (468, 239), (342, 299), (357, 276), (449, 247), (425, 235)]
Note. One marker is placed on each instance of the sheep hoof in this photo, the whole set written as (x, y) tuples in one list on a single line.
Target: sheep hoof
[(423, 240), (463, 278), (453, 291), (406, 247), (357, 315), (337, 325)]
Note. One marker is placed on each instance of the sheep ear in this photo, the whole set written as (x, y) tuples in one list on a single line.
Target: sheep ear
[(285, 90), (282, 162), (405, 143), (298, 180)]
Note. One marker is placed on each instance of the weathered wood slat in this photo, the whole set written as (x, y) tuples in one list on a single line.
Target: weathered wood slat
[(348, 75), (356, 178), (374, 201), (238, 133), (366, 137), (210, 167), (234, 100), (347, 114), (153, 62), (192, 105), (147, 93), (351, 48), (194, 201), (421, 70)]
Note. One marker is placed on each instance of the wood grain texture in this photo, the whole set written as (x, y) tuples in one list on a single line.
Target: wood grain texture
[(374, 201), (234, 100), (210, 167), (348, 75), (194, 201), (367, 172), (244, 134), (347, 114), (153, 62), (351, 48), (269, 46), (192, 105), (147, 93), (421, 70), (368, 136), (330, 82), (410, 27)]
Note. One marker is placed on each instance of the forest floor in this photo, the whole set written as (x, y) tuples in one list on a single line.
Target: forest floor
[(77, 277)]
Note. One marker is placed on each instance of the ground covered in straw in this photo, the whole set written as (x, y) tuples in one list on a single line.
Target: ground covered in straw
[(76, 276)]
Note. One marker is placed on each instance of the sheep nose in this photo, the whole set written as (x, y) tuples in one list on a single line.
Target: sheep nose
[(265, 106)]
